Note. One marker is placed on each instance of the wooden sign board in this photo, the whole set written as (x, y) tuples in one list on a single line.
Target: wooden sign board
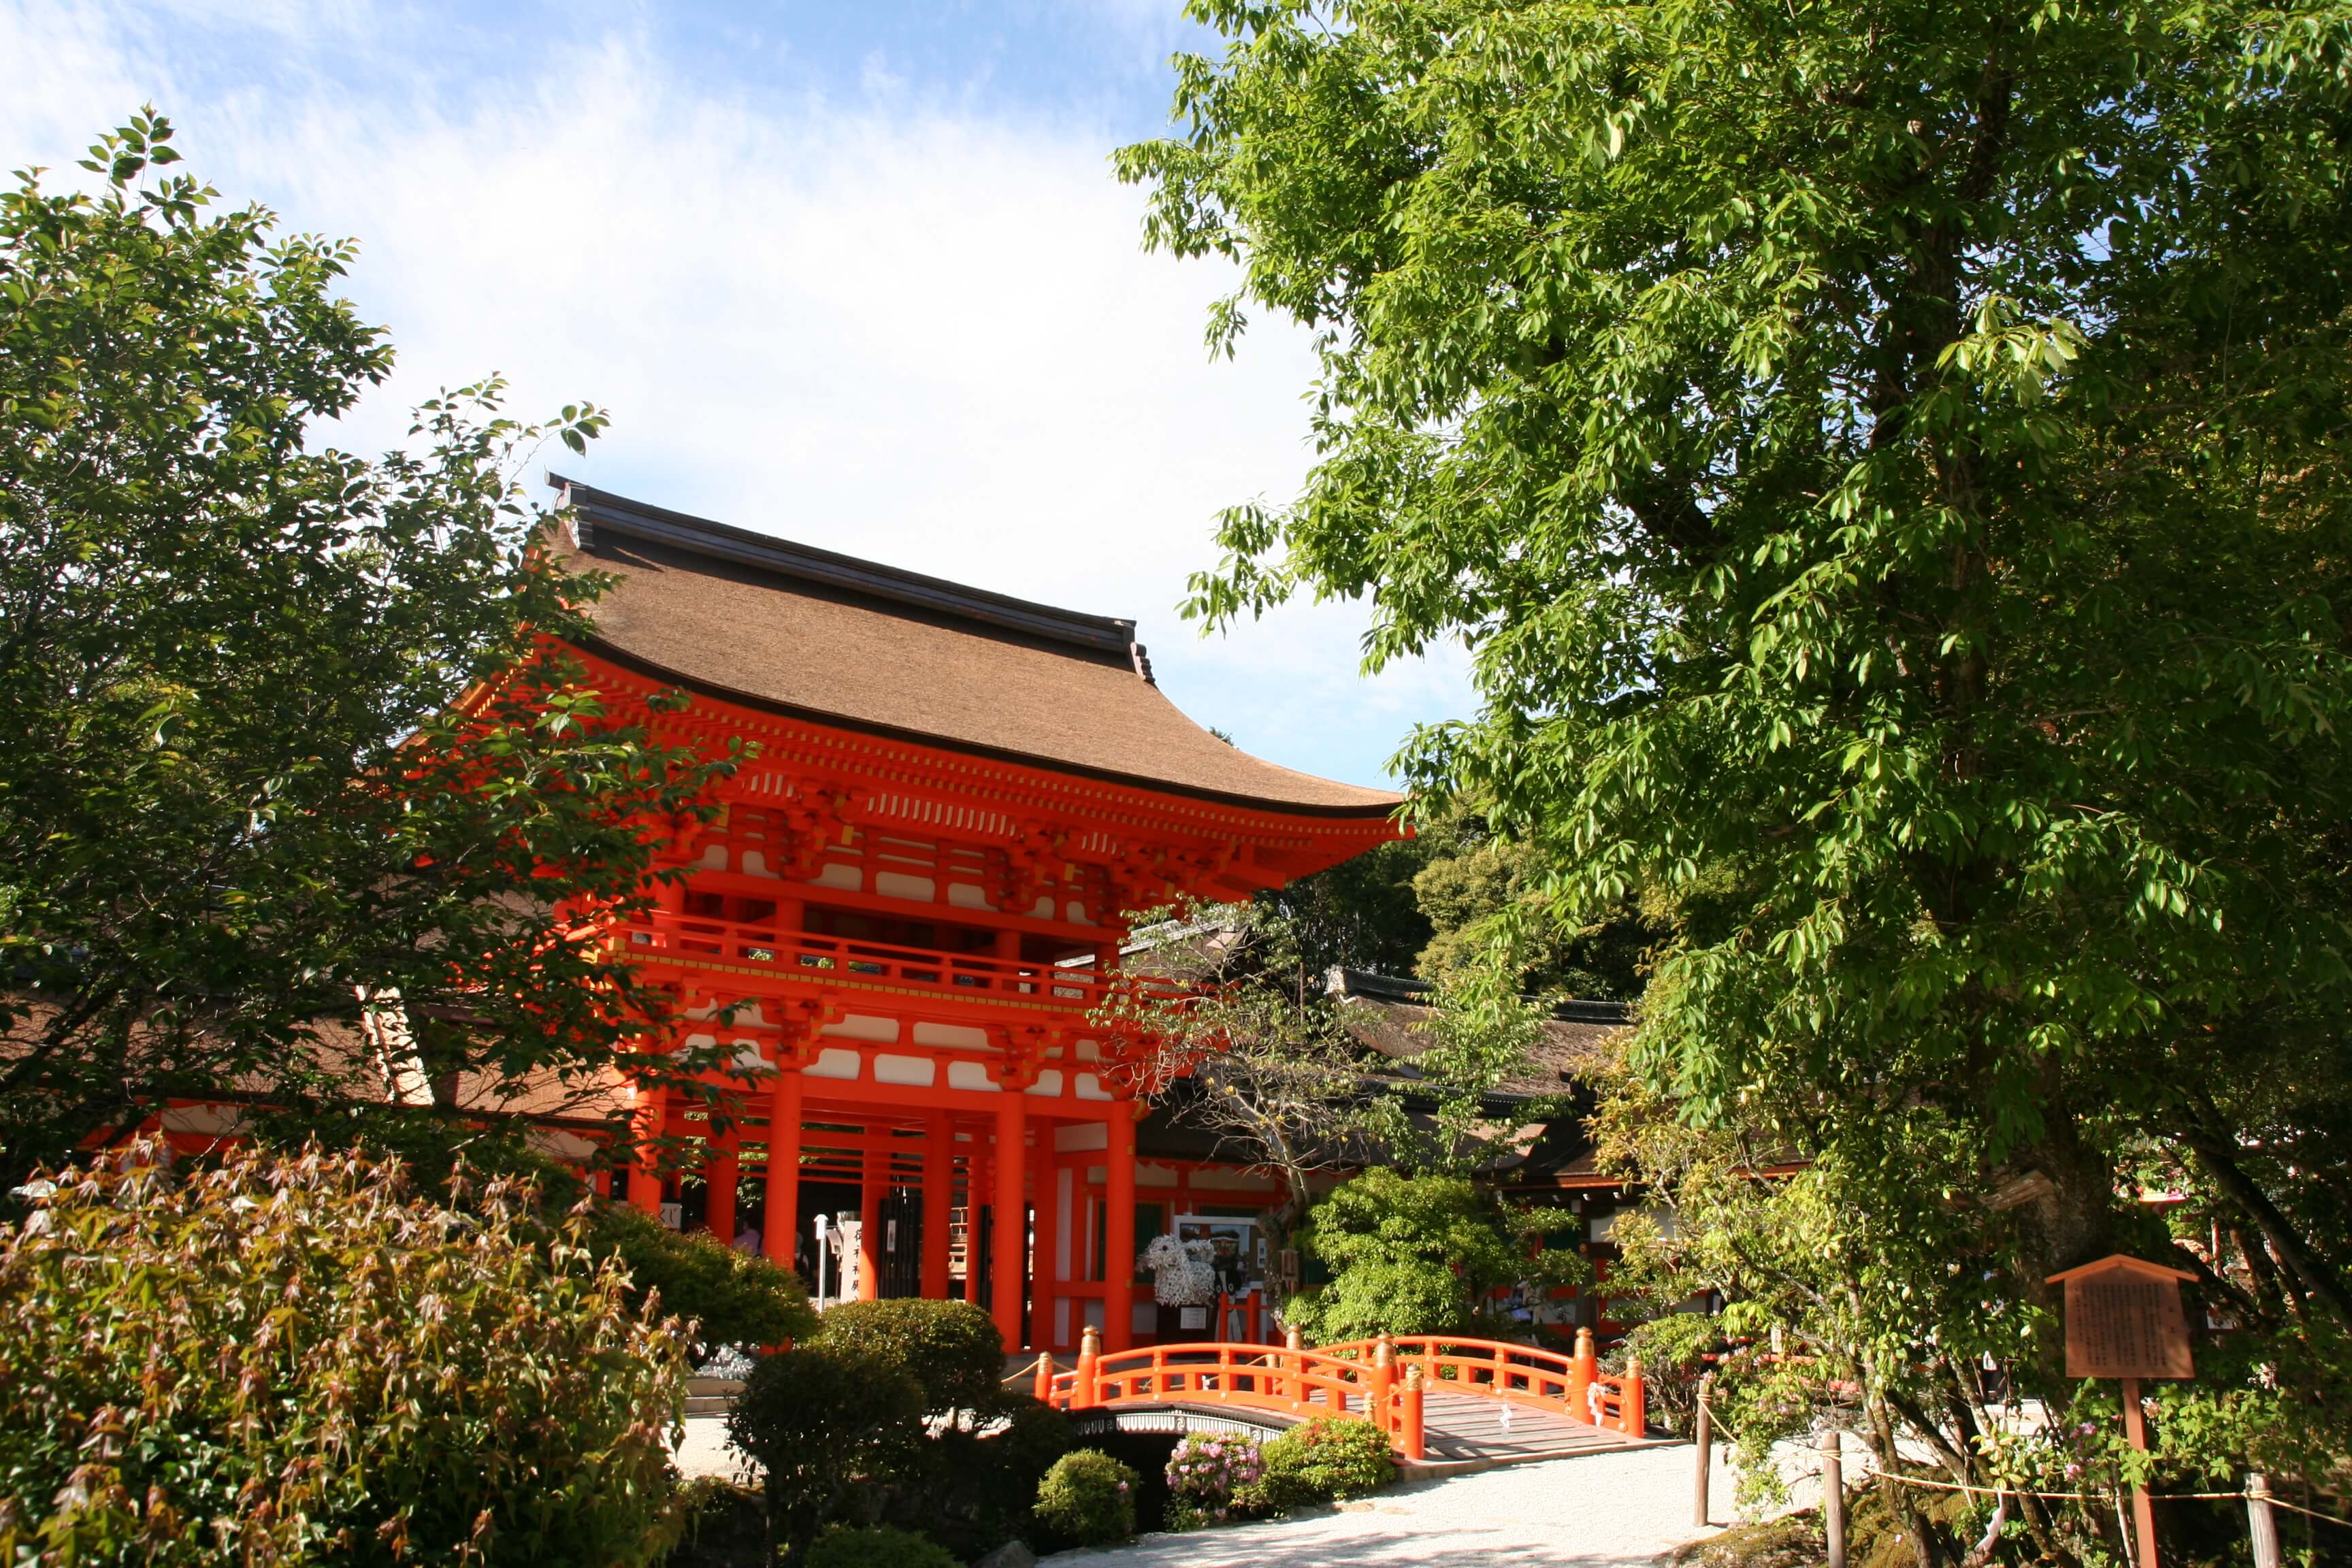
[(2123, 1319)]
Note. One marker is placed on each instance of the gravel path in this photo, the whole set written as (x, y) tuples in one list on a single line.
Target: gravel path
[(1613, 1509), (704, 1451), (1609, 1510)]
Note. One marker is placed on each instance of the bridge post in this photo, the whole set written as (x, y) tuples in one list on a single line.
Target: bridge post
[(1294, 1344), (1088, 1392), (1414, 1446), (1383, 1382), (1633, 1414), (1043, 1386), (1582, 1369)]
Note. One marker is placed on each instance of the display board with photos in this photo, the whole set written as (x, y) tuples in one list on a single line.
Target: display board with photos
[(1237, 1249)]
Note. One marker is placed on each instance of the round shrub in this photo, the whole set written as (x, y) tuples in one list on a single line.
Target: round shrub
[(292, 1357), (877, 1546), (1207, 1474), (826, 1427), (952, 1348), (1320, 1461), (1088, 1498)]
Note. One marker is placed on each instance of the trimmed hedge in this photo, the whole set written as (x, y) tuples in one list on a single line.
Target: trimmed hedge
[(827, 1429), (1088, 1498), (876, 1546), (951, 1349), (731, 1298)]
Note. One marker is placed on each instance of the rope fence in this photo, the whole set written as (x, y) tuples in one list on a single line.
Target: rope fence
[(2239, 1496), (2257, 1496)]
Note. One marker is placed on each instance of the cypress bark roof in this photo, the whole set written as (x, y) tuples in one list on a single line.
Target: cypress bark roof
[(752, 618)]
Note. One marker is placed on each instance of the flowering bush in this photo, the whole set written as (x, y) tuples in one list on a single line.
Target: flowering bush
[(1088, 1498), (1318, 1461), (293, 1358), (1205, 1475)]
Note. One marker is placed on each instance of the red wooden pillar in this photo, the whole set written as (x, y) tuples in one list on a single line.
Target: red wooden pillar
[(780, 1236), (939, 1182), (871, 1172), (645, 1179), (719, 1174), (975, 1185), (1009, 1230), (1118, 1230), (1042, 1271)]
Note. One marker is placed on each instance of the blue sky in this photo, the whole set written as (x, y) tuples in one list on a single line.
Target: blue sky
[(853, 274)]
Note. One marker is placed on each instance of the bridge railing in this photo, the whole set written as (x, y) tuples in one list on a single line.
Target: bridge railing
[(1384, 1381), (1272, 1377), (1572, 1386)]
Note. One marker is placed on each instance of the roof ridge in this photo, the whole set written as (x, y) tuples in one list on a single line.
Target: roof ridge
[(597, 511)]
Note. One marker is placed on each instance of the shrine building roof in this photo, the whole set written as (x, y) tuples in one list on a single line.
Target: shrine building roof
[(784, 627)]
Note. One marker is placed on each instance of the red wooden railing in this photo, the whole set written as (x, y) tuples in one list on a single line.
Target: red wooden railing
[(1384, 1381), (804, 955), (1570, 1386)]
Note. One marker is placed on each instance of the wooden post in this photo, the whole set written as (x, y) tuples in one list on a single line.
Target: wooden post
[(1118, 1230), (2142, 1511), (1632, 1405), (780, 1237), (873, 1172), (1414, 1446), (1295, 1344), (1041, 1387), (939, 1197), (1088, 1390), (1703, 1435), (1583, 1368), (1383, 1382), (1008, 1252), (2261, 1522), (1833, 1499)]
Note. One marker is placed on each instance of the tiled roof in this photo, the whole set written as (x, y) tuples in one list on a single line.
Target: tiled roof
[(752, 618)]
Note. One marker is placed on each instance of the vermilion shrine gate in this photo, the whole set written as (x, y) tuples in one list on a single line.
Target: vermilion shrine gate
[(912, 901)]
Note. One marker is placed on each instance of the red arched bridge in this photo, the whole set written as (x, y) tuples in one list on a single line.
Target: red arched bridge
[(1439, 1398)]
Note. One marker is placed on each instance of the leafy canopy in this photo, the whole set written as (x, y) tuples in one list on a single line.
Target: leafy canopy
[(1884, 459), (292, 758)]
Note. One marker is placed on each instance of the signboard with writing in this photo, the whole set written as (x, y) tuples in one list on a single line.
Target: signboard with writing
[(2123, 1319)]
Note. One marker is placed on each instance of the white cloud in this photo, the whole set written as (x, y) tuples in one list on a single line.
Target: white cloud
[(915, 333)]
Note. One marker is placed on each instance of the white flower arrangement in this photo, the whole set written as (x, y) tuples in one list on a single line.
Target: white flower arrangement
[(1183, 1273)]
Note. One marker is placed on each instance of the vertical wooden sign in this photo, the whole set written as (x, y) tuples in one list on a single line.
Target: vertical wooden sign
[(2123, 1319)]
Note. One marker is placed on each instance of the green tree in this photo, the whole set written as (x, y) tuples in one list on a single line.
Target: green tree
[(1362, 914), (1478, 886), (1886, 462), (298, 792), (1418, 1255)]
